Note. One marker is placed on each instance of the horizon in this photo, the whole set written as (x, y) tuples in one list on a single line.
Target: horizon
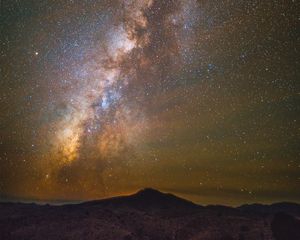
[(61, 202)]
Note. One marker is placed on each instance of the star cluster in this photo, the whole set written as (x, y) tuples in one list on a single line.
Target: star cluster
[(101, 98)]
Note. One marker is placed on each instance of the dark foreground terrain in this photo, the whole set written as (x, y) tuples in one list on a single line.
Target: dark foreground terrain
[(151, 215)]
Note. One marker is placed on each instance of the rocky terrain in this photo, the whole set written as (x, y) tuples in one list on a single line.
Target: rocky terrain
[(149, 214)]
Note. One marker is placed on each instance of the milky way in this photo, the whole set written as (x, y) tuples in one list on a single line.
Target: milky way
[(105, 97)]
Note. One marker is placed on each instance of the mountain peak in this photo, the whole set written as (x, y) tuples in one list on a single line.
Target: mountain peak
[(148, 198), (149, 192)]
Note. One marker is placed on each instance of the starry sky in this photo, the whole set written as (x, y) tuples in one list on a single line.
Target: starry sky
[(103, 98)]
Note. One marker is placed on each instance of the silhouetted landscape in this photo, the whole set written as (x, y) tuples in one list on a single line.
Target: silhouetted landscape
[(152, 215)]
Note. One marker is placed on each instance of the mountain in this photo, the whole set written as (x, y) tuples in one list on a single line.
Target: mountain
[(148, 214), (148, 199)]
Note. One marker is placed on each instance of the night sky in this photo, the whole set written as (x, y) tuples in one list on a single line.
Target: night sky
[(103, 98)]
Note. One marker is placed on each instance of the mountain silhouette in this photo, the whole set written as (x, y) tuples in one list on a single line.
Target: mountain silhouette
[(148, 199), (148, 215)]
